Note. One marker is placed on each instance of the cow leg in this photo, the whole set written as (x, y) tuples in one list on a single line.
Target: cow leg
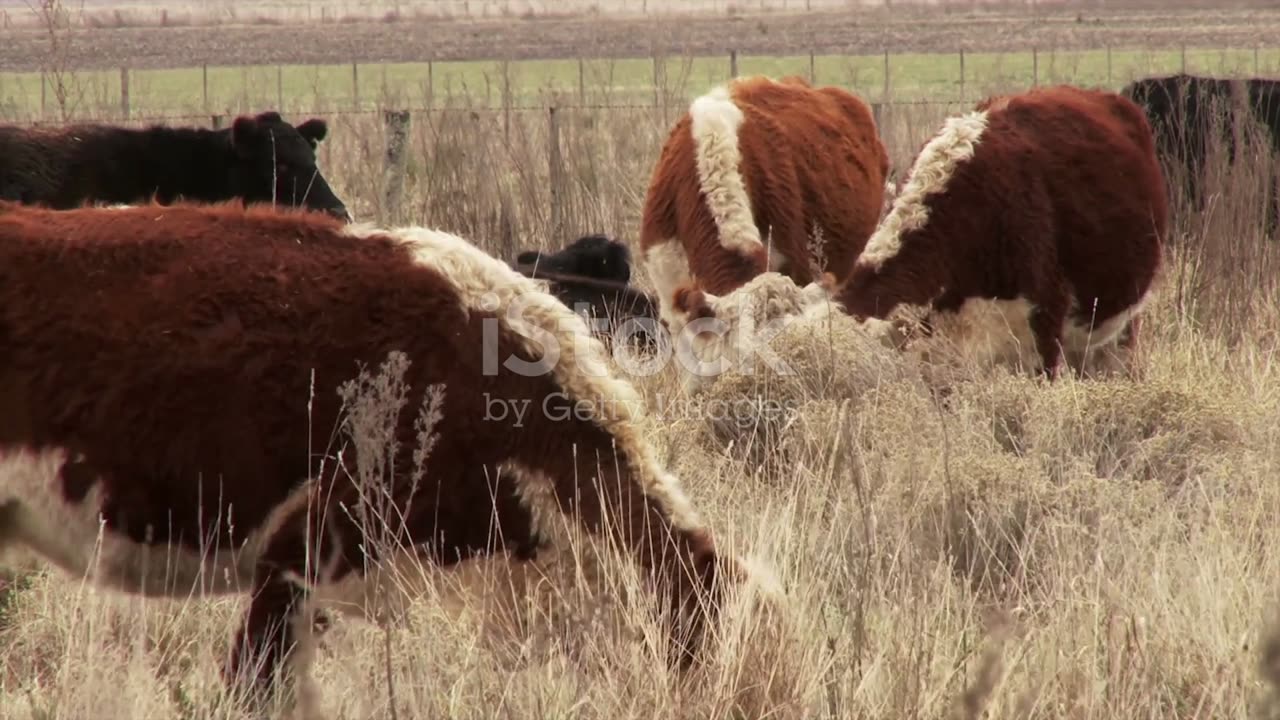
[(1046, 326), (1130, 344)]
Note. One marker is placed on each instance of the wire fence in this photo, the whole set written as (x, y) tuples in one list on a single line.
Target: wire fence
[(518, 161), (203, 93), (140, 13)]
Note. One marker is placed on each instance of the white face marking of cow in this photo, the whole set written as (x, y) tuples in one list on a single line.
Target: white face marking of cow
[(668, 269), (733, 331)]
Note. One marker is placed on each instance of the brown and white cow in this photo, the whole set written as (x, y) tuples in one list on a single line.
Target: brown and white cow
[(761, 175), (1043, 210), (171, 373)]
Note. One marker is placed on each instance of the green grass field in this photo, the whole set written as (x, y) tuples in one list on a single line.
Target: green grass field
[(320, 88)]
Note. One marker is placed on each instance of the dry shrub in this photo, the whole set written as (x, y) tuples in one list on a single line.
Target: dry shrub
[(816, 357), (1161, 430)]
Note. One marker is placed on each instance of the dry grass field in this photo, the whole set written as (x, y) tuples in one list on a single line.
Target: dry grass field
[(958, 542)]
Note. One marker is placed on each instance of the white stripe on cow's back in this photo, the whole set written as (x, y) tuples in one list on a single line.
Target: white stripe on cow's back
[(581, 370), (932, 170), (714, 124)]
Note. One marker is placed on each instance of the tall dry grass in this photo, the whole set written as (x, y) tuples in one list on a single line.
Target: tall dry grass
[(1087, 549)]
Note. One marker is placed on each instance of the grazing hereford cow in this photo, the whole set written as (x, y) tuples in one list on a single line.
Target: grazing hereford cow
[(762, 175), (591, 276), (171, 373), (1191, 114), (260, 159), (1050, 203)]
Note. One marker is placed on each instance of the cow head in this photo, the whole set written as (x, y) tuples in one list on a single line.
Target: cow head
[(276, 162), (720, 332), (591, 256)]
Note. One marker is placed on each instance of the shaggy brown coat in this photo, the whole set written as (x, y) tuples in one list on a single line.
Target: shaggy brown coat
[(762, 175), (173, 371), (1053, 198)]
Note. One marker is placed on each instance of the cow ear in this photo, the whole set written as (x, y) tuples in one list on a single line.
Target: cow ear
[(313, 130), (270, 117), (692, 303), (244, 133), (528, 257)]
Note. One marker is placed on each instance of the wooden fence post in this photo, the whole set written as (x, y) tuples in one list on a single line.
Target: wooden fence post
[(961, 74), (431, 84), (397, 125), (877, 109), (44, 95), (582, 82), (355, 86), (124, 93), (887, 87), (280, 88), (506, 101), (204, 84), (1035, 67), (555, 172), (813, 70), (1109, 76), (1184, 58), (656, 91), (733, 64), (215, 121)]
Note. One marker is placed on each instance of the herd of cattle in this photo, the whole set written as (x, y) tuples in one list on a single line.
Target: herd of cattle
[(168, 371)]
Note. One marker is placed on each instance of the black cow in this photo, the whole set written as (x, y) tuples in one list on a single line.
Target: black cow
[(1186, 111), (593, 256), (591, 276), (259, 159)]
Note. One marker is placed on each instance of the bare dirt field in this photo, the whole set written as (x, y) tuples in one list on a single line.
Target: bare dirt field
[(845, 32)]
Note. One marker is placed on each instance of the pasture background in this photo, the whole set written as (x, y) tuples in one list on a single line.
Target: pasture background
[(554, 135), (1095, 549), (127, 13)]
